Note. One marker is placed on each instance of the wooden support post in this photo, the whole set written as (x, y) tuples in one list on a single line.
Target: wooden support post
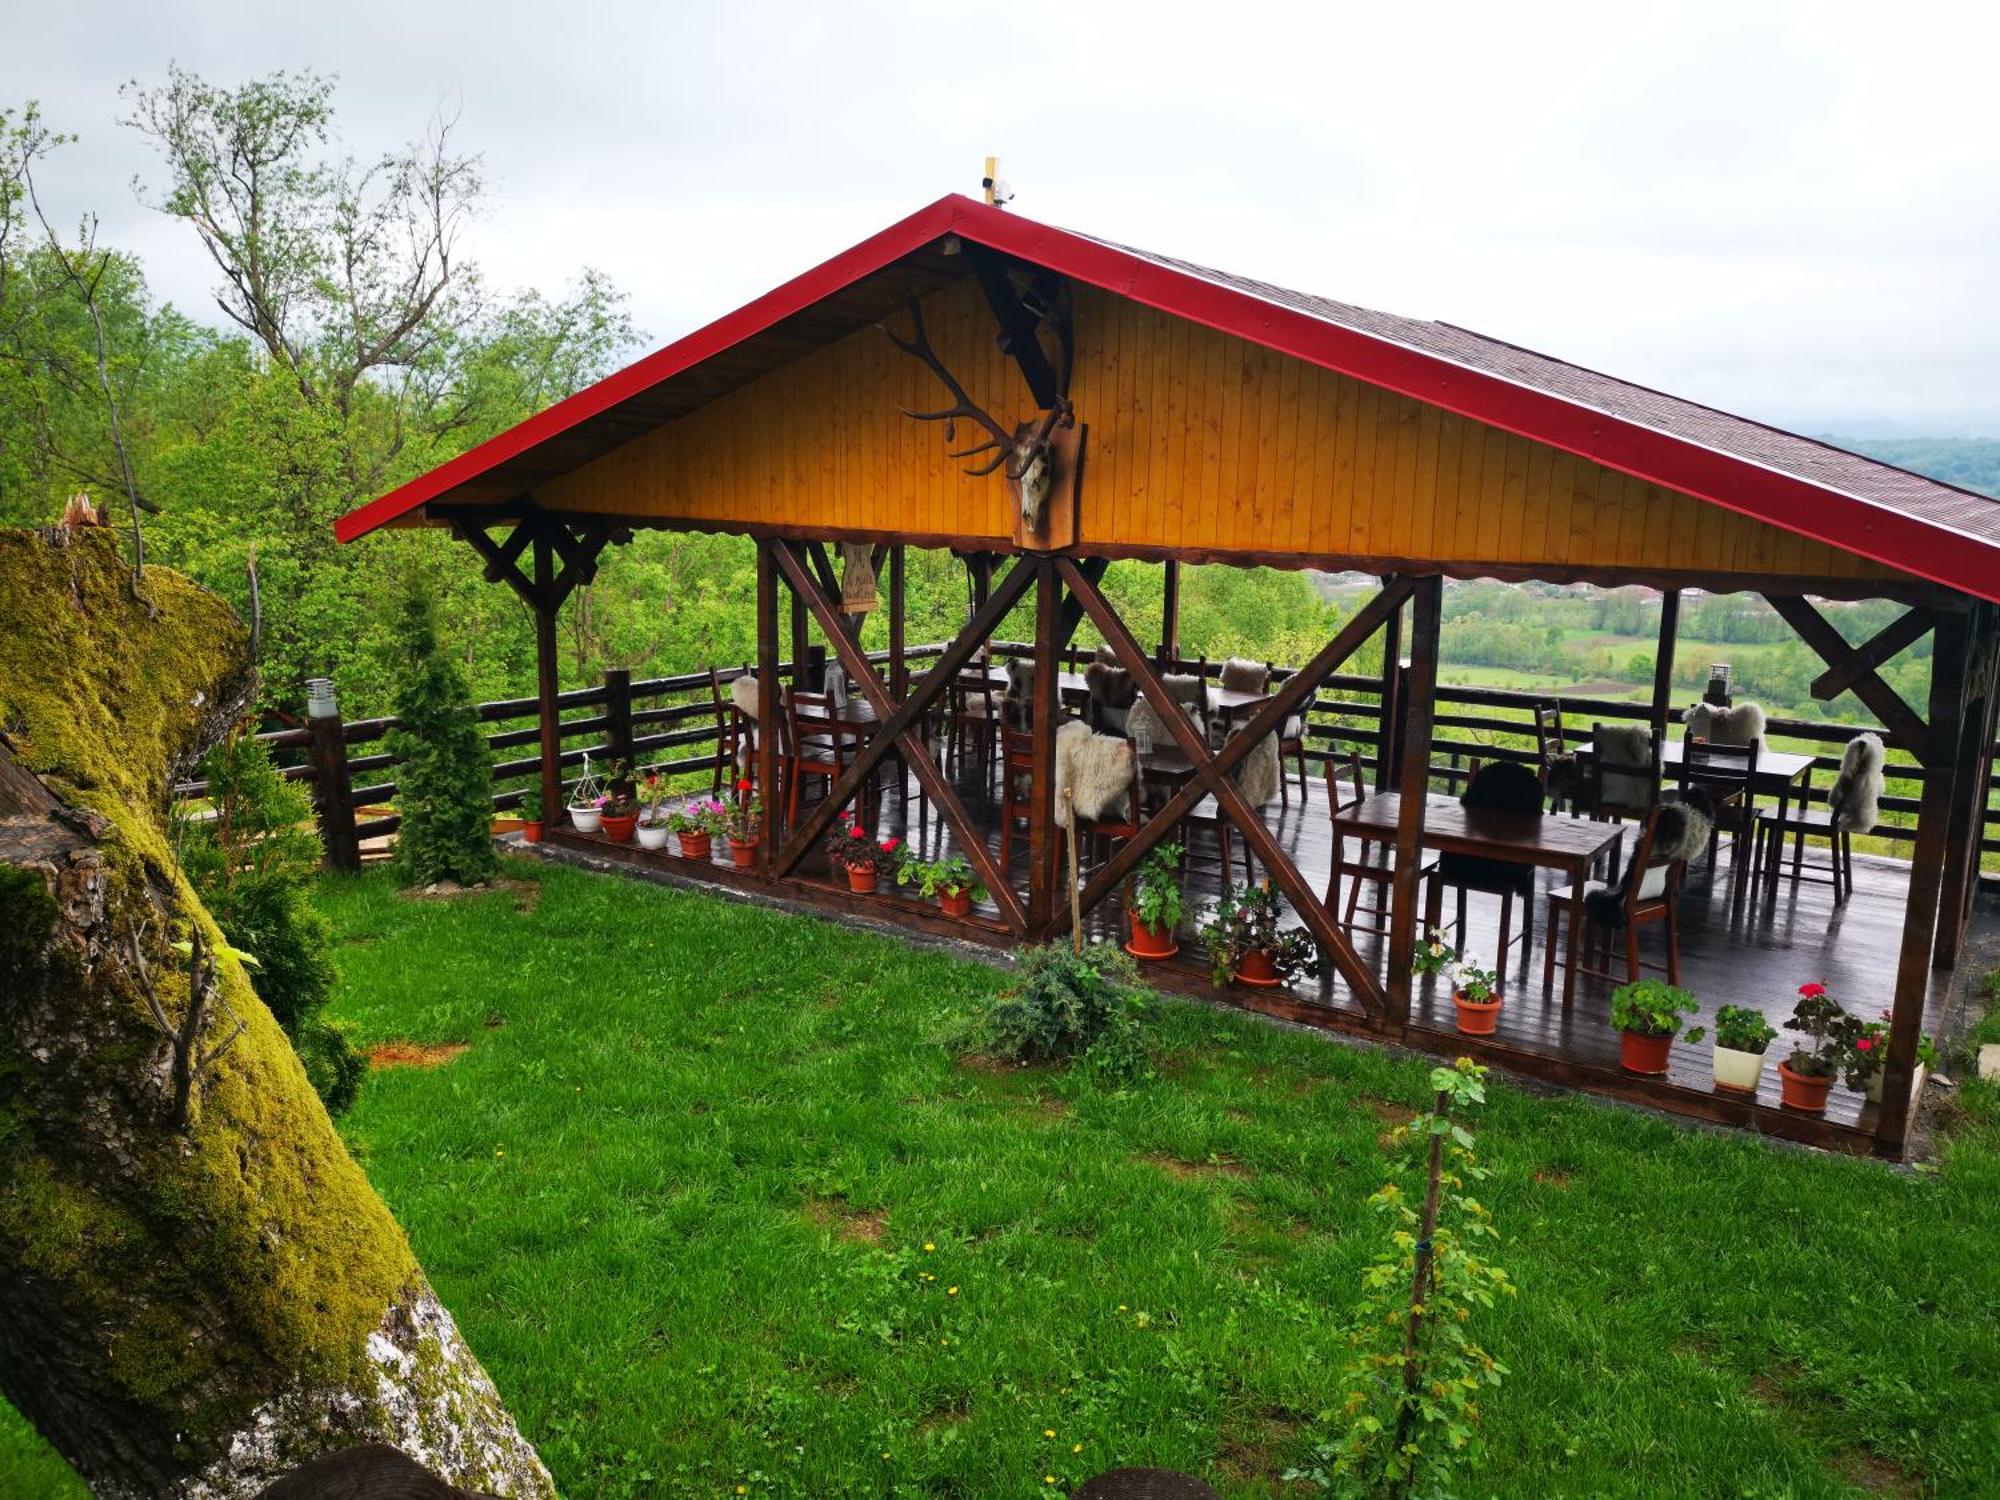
[(333, 793), (801, 641), (548, 716), (618, 724), (1419, 706), (1949, 661), (1663, 674), (1971, 763), (899, 668), (769, 713), (1170, 614), (1041, 810), (1388, 747)]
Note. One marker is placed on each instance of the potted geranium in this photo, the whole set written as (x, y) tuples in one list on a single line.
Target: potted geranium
[(1867, 1062), (743, 824), (618, 809), (951, 880), (1475, 995), (1157, 905), (694, 823), (850, 848), (653, 820), (1245, 944), (1805, 1077), (586, 803), (531, 815), (1741, 1035), (1648, 1016)]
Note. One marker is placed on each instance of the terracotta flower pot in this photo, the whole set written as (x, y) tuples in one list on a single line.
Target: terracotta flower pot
[(1801, 1091), (695, 845), (1258, 970), (861, 878), (1639, 1053), (531, 833), (955, 903), (1477, 1017), (1152, 942), (743, 853), (620, 828)]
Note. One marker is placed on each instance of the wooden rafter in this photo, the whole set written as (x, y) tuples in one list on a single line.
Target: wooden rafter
[(1892, 639), (899, 723), (1212, 768), (1905, 729), (1019, 336)]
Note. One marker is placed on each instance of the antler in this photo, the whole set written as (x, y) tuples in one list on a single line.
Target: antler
[(918, 346)]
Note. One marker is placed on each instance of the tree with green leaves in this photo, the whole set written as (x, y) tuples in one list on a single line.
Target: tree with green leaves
[(252, 854), (444, 787), (1415, 1375)]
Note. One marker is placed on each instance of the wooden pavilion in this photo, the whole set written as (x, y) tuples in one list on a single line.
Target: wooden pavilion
[(1120, 404)]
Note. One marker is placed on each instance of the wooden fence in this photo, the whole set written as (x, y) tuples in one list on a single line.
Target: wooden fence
[(669, 724)]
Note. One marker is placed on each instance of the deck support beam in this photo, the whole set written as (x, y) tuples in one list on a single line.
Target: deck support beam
[(1042, 726), (1419, 695), (1949, 663), (1663, 674), (769, 711), (1170, 613), (899, 727), (1213, 769)]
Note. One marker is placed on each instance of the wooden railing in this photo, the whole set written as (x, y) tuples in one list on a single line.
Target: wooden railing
[(668, 724)]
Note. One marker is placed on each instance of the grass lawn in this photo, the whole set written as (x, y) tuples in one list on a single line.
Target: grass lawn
[(683, 1192)]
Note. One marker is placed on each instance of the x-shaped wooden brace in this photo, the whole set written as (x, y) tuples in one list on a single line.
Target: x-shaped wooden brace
[(503, 558), (1213, 768), (899, 726), (1855, 667)]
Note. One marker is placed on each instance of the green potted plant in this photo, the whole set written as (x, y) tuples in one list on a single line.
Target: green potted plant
[(1829, 1031), (694, 824), (951, 880), (653, 821), (1648, 1016), (1741, 1035), (1475, 995), (618, 809), (1245, 944), (1433, 956), (531, 815), (743, 824), (1867, 1062), (1156, 906), (849, 848)]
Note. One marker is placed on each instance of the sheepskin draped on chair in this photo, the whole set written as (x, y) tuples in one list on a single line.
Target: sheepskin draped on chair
[(1240, 675), (1188, 690), (1112, 694), (1741, 725), (1094, 772), (1622, 778), (1855, 800)]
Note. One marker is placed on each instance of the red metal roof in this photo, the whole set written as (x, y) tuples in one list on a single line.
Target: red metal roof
[(1918, 525)]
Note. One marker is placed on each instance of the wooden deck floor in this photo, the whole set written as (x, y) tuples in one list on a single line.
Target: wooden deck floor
[(1752, 952)]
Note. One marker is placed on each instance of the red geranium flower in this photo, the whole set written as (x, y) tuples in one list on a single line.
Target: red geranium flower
[(1865, 1044), (1812, 990), (743, 785), (889, 845), (854, 831)]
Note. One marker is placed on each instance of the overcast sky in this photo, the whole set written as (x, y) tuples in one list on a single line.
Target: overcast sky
[(1790, 211)]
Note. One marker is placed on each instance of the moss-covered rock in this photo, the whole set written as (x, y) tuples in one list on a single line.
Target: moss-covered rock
[(190, 1308)]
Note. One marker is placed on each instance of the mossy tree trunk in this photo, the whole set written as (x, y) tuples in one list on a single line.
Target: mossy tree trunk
[(183, 1311)]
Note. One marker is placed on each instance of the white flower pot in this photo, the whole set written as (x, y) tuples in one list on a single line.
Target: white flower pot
[(586, 819), (1874, 1090), (1738, 1070), (652, 835)]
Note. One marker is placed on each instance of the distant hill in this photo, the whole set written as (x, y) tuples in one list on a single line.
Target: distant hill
[(1973, 463)]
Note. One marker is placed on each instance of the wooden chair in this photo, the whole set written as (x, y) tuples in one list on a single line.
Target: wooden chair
[(1727, 774), (1096, 836), (1620, 784), (1292, 742), (1767, 852), (1501, 786), (974, 719), (735, 737), (1552, 753), (1017, 780), (1376, 867), (818, 745), (1649, 894)]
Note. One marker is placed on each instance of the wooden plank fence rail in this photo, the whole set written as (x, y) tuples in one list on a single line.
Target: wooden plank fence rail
[(661, 715)]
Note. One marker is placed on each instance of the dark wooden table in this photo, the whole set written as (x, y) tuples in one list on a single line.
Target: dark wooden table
[(1778, 772), (1569, 845)]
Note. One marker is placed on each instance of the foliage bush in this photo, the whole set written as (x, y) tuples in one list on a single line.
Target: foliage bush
[(1069, 1005), (444, 786), (252, 863)]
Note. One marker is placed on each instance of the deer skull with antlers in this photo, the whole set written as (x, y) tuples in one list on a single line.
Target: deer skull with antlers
[(1027, 452)]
